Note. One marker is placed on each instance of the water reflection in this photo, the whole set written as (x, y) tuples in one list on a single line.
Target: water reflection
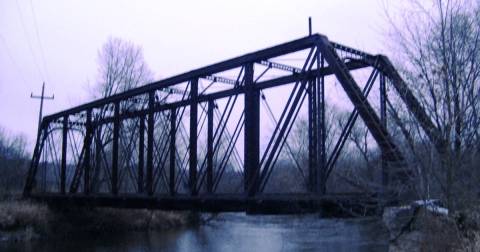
[(237, 232)]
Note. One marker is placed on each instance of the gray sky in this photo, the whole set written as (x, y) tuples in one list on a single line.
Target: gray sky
[(57, 41)]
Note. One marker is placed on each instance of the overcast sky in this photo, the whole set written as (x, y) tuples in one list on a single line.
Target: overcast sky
[(57, 41)]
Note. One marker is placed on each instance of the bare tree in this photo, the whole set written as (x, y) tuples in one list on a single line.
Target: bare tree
[(359, 164), (13, 162), (121, 68), (438, 45)]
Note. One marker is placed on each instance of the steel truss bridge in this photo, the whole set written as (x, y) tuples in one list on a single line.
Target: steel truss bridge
[(181, 144)]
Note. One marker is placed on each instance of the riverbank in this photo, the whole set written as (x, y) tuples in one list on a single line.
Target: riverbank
[(24, 220), (426, 226)]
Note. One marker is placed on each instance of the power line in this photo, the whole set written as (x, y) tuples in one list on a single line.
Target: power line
[(28, 40), (41, 48), (15, 64)]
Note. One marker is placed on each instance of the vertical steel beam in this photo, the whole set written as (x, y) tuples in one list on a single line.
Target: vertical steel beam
[(192, 178), (312, 136), (141, 155), (96, 183), (321, 134), (63, 171), (173, 150), (383, 119), (211, 106), (87, 145), (252, 133), (150, 126), (116, 136)]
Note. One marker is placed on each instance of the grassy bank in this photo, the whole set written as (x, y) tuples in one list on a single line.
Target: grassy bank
[(26, 220)]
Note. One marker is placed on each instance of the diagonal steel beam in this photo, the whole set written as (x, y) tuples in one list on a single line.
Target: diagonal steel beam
[(32, 171), (371, 119), (413, 105), (348, 127)]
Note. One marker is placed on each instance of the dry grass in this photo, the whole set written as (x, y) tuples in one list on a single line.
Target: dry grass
[(447, 233), (471, 244), (26, 219), (105, 220), (23, 220), (16, 215), (440, 233)]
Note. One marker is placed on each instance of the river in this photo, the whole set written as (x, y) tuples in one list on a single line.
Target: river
[(236, 232)]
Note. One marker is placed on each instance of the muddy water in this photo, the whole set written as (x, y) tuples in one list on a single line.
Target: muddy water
[(237, 232)]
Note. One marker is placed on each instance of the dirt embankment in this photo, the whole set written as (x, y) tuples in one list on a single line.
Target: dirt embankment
[(27, 220)]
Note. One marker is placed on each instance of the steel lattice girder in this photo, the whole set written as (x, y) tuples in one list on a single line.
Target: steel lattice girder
[(318, 43)]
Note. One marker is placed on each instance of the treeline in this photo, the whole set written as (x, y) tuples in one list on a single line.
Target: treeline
[(14, 160)]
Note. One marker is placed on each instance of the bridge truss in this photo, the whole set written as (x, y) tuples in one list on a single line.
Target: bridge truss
[(194, 141)]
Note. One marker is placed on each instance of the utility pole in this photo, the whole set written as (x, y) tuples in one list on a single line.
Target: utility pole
[(309, 26), (41, 106)]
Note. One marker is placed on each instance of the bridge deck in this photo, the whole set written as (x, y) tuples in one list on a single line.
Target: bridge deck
[(330, 205)]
